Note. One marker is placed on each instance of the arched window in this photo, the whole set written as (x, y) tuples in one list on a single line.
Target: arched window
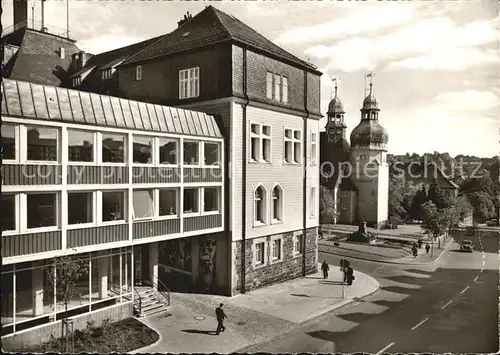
[(374, 115), (277, 204), (260, 205)]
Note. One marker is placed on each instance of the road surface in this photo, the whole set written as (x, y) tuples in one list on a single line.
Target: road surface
[(449, 306)]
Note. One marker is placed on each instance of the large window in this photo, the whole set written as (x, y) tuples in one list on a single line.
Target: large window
[(80, 146), (9, 141), (212, 156), (168, 202), (113, 206), (113, 148), (312, 202), (276, 87), (269, 85), (260, 143), (260, 205), (277, 197), (292, 146), (191, 200), (41, 210), (276, 249), (313, 149), (191, 153), (284, 94), (168, 151), (8, 215), (80, 207), (259, 253), (189, 83), (211, 200), (297, 244), (143, 204), (142, 149), (42, 144)]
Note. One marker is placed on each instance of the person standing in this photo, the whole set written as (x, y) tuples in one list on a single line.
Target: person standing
[(325, 268), (350, 275), (219, 313), (427, 247)]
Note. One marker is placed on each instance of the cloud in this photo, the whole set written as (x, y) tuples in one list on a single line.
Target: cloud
[(435, 43), (470, 100), (106, 43)]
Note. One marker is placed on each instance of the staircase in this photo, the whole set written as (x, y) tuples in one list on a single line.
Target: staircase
[(148, 302)]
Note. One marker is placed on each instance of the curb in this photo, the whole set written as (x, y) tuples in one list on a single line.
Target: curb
[(386, 261), (144, 348)]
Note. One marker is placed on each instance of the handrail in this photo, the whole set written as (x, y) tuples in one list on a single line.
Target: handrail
[(167, 296), (139, 302)]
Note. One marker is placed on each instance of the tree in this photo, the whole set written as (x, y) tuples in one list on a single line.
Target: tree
[(484, 208), (327, 210), (463, 206), (420, 198), (436, 196), (68, 271), (396, 198), (433, 221)]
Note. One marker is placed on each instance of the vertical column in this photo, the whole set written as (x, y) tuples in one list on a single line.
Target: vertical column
[(37, 291), (153, 263), (63, 210), (180, 204), (102, 276), (130, 160)]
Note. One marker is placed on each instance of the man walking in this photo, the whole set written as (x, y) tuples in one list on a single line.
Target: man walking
[(219, 313), (427, 247), (325, 268)]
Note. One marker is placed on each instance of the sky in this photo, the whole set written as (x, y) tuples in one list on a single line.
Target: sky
[(435, 63)]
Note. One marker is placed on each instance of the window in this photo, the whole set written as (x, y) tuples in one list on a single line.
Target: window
[(260, 143), (260, 205), (168, 151), (277, 203), (212, 153), (269, 85), (113, 206), (312, 202), (80, 146), (313, 148), (285, 89), (143, 201), (211, 200), (277, 87), (8, 215), (41, 210), (77, 80), (292, 146), (80, 207), (138, 72), (189, 83), (42, 143), (9, 141), (276, 249), (142, 150), (259, 253), (191, 153), (113, 148), (191, 200), (297, 244), (106, 74), (168, 202), (343, 193), (344, 206)]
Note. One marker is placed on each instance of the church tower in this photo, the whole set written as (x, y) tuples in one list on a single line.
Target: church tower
[(371, 170), (335, 127)]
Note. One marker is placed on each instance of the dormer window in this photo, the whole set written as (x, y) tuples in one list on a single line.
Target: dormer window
[(138, 72), (77, 80), (106, 74), (62, 53)]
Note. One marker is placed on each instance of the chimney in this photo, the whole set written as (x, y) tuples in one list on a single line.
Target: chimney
[(74, 61), (62, 53), (186, 18), (82, 59), (20, 14)]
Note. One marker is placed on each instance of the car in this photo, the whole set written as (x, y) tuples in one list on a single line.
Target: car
[(492, 223), (467, 246)]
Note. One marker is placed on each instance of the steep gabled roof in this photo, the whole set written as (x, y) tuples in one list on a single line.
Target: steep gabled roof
[(207, 27), (38, 59)]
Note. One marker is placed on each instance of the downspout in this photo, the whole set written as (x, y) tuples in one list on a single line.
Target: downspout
[(244, 175), (304, 182)]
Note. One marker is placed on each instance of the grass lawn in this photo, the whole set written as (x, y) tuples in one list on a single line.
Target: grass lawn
[(124, 336)]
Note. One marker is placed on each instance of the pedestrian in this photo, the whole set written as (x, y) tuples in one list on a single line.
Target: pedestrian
[(427, 247), (219, 313), (419, 242), (325, 268), (350, 275)]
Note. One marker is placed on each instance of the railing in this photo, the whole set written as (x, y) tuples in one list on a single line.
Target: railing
[(165, 294), (137, 300)]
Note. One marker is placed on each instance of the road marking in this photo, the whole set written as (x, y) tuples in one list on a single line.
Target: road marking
[(482, 269), (476, 278), (384, 349), (484, 257), (419, 324), (484, 262), (465, 289), (446, 305)]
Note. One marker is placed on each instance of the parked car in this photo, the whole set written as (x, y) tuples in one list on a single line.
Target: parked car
[(492, 223), (467, 246)]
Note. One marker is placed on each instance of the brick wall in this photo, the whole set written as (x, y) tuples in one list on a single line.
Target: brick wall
[(42, 334), (289, 268)]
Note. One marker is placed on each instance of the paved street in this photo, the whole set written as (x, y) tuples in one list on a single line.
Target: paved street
[(449, 306)]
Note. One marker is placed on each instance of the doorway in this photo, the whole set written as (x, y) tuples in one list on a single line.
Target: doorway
[(141, 265)]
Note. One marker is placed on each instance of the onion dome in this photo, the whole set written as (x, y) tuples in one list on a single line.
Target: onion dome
[(368, 132), (335, 106), (370, 103)]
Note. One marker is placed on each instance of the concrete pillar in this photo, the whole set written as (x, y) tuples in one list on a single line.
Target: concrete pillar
[(102, 276), (153, 262), (195, 259), (37, 291)]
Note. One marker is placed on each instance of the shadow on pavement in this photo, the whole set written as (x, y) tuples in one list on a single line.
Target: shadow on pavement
[(196, 331), (417, 271), (299, 295), (357, 317), (385, 303), (325, 335), (326, 282), (397, 289), (408, 279), (314, 277)]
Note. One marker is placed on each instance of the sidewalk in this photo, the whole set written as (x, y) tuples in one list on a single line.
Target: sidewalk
[(254, 317)]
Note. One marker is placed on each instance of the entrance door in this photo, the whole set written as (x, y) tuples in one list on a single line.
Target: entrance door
[(145, 263)]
